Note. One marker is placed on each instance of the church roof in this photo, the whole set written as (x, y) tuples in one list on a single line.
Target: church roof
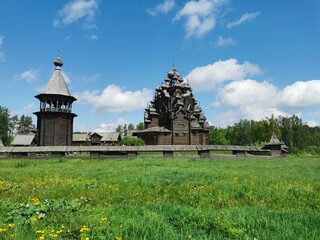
[(274, 140), (155, 129), (105, 136), (80, 137), (57, 83), (109, 136)]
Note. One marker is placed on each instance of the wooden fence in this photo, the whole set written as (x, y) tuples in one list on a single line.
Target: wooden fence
[(203, 151)]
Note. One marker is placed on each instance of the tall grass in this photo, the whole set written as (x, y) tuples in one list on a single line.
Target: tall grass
[(160, 199)]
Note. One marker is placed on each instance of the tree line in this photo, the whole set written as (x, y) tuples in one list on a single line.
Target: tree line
[(10, 125), (298, 136)]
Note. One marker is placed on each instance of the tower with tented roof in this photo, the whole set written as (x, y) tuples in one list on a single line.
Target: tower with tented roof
[(55, 118), (174, 117)]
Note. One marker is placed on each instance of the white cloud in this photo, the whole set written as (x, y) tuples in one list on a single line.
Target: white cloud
[(115, 99), (30, 75), (223, 42), (207, 77), (257, 100), (244, 18), (90, 79), (239, 97), (201, 16), (2, 54), (257, 113), (92, 37), (164, 7), (26, 110), (75, 10), (247, 92), (300, 94), (313, 123), (110, 126), (1, 40), (226, 118)]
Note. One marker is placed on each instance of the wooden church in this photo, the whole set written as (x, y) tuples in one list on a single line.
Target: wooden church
[(55, 118), (174, 116)]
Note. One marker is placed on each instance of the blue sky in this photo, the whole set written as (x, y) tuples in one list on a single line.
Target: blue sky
[(243, 59)]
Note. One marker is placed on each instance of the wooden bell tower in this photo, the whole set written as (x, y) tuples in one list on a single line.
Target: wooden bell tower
[(55, 118)]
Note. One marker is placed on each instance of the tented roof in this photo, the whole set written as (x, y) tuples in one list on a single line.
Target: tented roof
[(57, 84), (274, 140)]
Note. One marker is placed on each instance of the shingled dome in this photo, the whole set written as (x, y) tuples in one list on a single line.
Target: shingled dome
[(57, 83)]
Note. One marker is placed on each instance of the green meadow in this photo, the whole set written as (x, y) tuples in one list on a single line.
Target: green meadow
[(160, 198)]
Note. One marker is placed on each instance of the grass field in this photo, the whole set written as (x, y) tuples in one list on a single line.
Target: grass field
[(146, 198)]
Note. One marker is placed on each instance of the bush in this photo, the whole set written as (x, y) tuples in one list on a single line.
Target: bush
[(314, 150), (132, 141)]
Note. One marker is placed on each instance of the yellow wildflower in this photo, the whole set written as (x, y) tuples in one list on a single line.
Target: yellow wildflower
[(118, 238), (11, 225), (3, 230), (41, 238), (39, 232), (35, 201), (84, 229)]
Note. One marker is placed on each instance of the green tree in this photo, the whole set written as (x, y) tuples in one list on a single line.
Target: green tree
[(25, 124), (294, 133), (240, 133), (130, 126), (119, 128), (140, 126), (132, 141), (6, 125), (217, 136)]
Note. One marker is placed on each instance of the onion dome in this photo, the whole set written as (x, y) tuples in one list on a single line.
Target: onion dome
[(58, 63), (167, 79), (206, 126), (197, 110), (158, 89), (172, 73), (202, 118)]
